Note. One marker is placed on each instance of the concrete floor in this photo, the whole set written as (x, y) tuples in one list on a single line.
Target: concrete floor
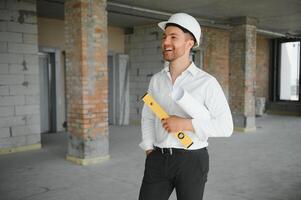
[(261, 165)]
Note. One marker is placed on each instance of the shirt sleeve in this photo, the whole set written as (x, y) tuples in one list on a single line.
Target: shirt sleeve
[(213, 119), (147, 124)]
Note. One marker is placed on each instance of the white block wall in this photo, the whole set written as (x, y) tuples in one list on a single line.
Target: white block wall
[(144, 49), (19, 74)]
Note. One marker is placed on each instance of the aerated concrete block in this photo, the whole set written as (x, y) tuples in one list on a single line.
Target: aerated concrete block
[(10, 58), (11, 79), (7, 111), (11, 37), (25, 130), (4, 133), (22, 48), (12, 100), (22, 28), (12, 121), (27, 109)]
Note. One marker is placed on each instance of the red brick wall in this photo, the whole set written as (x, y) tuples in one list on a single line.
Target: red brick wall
[(262, 67), (216, 59), (216, 55)]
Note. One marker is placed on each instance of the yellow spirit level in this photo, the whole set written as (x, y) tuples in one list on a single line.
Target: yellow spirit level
[(161, 114)]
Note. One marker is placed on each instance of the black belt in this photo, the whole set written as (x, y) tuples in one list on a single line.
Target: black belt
[(170, 151)]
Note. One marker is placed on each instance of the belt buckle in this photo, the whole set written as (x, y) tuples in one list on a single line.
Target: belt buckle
[(166, 150)]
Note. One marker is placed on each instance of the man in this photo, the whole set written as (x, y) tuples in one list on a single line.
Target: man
[(196, 105)]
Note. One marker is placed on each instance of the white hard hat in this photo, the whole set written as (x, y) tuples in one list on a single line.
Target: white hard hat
[(186, 21)]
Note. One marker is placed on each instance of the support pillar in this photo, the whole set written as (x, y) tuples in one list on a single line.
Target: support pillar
[(87, 81), (243, 73)]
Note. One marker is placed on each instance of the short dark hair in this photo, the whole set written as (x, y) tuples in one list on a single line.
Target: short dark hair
[(182, 28)]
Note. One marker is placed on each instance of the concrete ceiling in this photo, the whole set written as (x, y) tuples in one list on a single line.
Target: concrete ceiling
[(281, 16)]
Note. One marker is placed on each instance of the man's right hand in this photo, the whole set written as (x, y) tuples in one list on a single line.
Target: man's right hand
[(148, 151)]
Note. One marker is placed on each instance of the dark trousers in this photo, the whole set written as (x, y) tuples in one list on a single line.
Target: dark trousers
[(185, 171)]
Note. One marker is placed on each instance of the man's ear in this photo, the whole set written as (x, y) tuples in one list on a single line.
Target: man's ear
[(190, 43)]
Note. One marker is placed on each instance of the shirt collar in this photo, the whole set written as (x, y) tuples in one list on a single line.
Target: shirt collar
[(192, 69), (166, 67)]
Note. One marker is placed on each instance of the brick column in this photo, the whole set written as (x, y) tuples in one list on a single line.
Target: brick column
[(87, 80), (243, 73)]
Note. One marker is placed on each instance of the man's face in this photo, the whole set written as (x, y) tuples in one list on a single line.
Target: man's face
[(175, 44)]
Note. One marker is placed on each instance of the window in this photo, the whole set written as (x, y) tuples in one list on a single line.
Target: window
[(289, 71)]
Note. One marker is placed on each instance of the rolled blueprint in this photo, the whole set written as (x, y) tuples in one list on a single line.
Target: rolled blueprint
[(190, 105)]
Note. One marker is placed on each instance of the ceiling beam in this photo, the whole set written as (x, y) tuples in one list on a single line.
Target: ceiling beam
[(160, 15), (155, 14)]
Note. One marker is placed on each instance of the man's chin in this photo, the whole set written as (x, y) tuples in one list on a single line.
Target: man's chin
[(167, 59)]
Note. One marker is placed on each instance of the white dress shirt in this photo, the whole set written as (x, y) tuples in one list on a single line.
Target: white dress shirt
[(196, 95)]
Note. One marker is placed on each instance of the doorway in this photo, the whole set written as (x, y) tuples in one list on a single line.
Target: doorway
[(118, 99), (47, 92)]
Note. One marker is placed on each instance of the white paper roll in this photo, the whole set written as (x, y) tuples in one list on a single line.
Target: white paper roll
[(190, 105)]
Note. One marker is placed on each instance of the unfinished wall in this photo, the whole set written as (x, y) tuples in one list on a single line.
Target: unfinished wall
[(19, 81), (144, 50)]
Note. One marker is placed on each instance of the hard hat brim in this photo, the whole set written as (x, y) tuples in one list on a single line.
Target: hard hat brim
[(162, 25)]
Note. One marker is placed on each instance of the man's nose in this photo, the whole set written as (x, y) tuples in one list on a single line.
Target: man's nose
[(166, 41)]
